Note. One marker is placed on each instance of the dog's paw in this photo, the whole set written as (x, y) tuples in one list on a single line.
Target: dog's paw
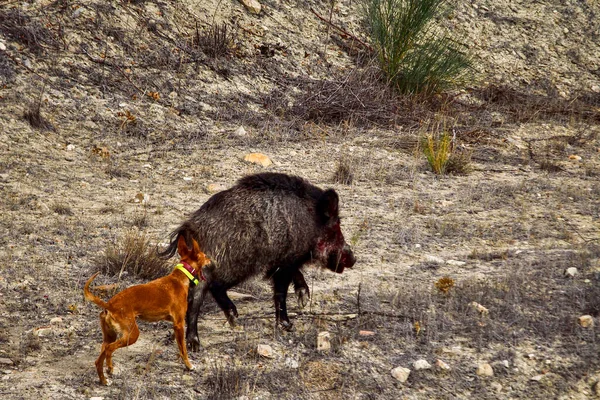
[(189, 365), (303, 296)]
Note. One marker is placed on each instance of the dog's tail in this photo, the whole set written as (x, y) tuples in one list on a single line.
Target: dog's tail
[(90, 296)]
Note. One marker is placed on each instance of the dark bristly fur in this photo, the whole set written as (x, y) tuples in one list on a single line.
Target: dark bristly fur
[(270, 224)]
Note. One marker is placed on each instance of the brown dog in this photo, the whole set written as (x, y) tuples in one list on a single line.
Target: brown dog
[(162, 299)]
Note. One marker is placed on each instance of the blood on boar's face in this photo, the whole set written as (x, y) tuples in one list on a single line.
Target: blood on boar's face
[(331, 249)]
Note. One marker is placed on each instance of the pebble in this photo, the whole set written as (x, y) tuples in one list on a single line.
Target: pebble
[(434, 259), (586, 321), (6, 361), (442, 365), (571, 272), (265, 350), (401, 373), (323, 342), (253, 6), (240, 131), (456, 263), (484, 369), (258, 158), (291, 363), (366, 333), (421, 364)]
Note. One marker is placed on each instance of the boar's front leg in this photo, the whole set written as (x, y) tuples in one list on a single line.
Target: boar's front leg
[(301, 288), (281, 283), (195, 300)]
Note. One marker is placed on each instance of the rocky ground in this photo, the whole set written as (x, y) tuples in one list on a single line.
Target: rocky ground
[(119, 118)]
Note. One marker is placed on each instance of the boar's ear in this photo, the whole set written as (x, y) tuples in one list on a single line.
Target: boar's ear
[(327, 205)]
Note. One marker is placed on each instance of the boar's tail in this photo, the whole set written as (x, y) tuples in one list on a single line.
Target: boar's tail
[(187, 230)]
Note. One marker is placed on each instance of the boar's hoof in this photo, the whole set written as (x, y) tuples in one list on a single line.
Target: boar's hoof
[(194, 344), (231, 320), (286, 326), (303, 297)]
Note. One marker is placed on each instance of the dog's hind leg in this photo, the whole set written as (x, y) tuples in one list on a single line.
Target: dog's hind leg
[(109, 336), (129, 336)]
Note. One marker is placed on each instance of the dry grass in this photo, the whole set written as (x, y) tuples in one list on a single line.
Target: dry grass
[(359, 97), (33, 115), (134, 255), (215, 41), (343, 173), (22, 28), (61, 208)]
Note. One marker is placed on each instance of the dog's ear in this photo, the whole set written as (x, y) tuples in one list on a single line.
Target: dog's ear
[(182, 248), (196, 247)]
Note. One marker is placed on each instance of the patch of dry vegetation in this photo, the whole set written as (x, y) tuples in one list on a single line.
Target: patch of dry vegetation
[(133, 254)]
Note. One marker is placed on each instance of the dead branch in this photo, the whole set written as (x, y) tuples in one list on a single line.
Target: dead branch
[(329, 23)]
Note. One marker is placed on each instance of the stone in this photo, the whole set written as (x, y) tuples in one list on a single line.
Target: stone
[(571, 272), (484, 369), (366, 333), (265, 350), (253, 6), (70, 147), (56, 320), (187, 178), (479, 308), (586, 321), (259, 159), (442, 365), (323, 341), (42, 331), (496, 386), (401, 374), (215, 187), (6, 361), (434, 259), (575, 157), (2, 46), (456, 263), (291, 363), (421, 364), (240, 131)]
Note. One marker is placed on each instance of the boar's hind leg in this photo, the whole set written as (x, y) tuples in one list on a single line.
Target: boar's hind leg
[(195, 300), (281, 282), (301, 288), (219, 292)]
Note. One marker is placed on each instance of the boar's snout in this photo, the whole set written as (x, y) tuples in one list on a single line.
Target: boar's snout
[(338, 261), (348, 258)]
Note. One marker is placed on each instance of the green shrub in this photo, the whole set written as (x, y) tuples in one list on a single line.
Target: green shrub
[(415, 55), (437, 151)]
